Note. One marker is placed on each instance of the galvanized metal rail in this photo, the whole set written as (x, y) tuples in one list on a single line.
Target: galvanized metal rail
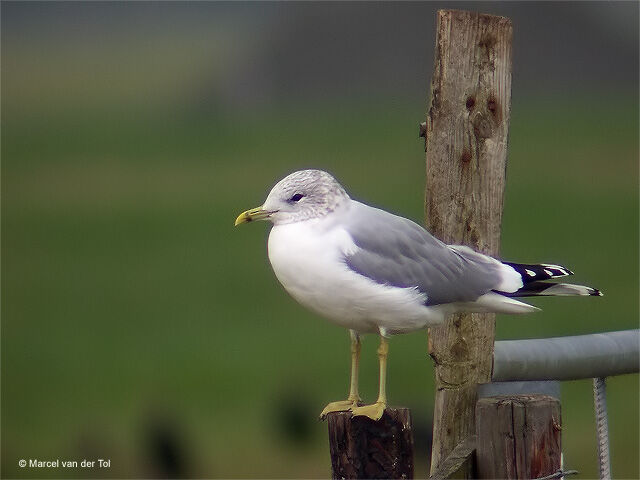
[(567, 358), (522, 365)]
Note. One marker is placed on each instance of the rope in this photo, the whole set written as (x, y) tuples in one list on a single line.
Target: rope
[(602, 428)]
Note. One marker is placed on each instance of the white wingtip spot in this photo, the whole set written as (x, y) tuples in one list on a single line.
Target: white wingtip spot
[(561, 271), (530, 272)]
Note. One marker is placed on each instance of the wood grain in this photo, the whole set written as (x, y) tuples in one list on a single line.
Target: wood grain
[(519, 436), (466, 135)]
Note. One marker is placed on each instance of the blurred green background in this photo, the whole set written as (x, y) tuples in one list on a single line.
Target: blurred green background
[(139, 326)]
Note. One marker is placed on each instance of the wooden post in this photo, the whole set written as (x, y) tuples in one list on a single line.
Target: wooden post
[(466, 133), (519, 436), (363, 448)]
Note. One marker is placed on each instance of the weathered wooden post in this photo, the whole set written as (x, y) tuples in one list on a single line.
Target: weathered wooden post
[(518, 436), (365, 448), (466, 130)]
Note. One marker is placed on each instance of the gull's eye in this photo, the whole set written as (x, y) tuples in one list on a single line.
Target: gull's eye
[(296, 198)]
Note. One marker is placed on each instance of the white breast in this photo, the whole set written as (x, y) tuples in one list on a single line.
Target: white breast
[(308, 260)]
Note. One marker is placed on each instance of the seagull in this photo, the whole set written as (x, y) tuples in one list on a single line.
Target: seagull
[(370, 271)]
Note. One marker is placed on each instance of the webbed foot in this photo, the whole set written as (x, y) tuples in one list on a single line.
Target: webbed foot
[(340, 406), (373, 411)]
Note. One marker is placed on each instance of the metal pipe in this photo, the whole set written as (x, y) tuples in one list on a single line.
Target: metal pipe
[(567, 358), (494, 389)]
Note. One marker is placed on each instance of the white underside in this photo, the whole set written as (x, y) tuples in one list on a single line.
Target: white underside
[(307, 258)]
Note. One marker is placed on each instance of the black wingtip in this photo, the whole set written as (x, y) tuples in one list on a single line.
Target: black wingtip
[(542, 288), (533, 272)]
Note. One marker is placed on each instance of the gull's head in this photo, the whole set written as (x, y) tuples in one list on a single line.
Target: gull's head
[(302, 195)]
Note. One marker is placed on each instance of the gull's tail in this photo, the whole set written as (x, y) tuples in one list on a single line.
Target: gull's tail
[(534, 284)]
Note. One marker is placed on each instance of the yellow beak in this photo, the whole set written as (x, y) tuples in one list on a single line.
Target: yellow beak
[(257, 213)]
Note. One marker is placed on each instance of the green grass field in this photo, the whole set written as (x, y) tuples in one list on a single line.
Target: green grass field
[(131, 304)]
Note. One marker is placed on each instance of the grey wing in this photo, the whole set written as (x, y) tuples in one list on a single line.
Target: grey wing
[(396, 251)]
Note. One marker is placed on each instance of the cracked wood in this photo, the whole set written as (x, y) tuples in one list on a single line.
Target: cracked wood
[(466, 133)]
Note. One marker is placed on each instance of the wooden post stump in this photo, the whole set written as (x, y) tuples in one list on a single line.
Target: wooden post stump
[(363, 448), (519, 436)]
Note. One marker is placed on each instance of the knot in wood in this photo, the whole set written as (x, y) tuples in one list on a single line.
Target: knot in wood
[(470, 103), (483, 127), (452, 375), (460, 351), (494, 109), (485, 114)]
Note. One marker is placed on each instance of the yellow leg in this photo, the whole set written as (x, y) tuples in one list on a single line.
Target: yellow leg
[(354, 397), (375, 411)]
